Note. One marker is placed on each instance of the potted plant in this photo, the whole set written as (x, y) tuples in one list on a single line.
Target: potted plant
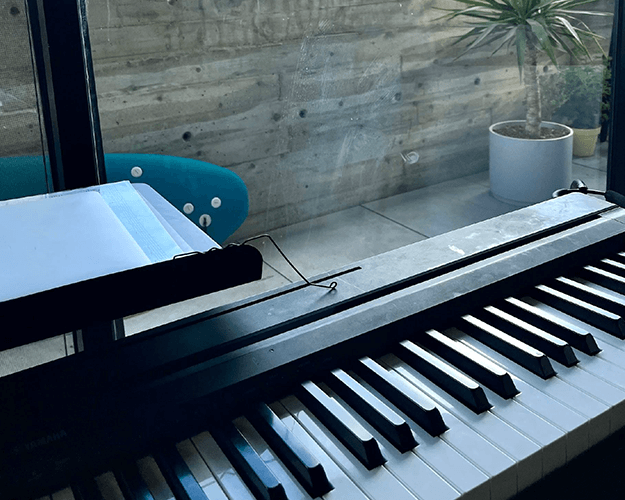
[(580, 104), (528, 159)]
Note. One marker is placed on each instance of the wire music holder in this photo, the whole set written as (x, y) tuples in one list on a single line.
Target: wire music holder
[(331, 286)]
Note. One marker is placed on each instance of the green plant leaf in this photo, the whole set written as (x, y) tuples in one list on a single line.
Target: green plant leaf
[(562, 45), (543, 37), (483, 36), (572, 36), (507, 40), (586, 13)]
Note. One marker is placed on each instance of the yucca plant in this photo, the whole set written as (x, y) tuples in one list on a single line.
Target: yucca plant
[(533, 26)]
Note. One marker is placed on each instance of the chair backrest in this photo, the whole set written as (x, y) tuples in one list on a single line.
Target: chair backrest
[(199, 189), (22, 176), (206, 193)]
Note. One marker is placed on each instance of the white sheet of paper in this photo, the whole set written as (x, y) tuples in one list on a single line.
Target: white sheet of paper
[(140, 221), (135, 215), (50, 241)]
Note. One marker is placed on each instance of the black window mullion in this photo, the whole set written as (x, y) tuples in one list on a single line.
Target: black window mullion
[(63, 59), (616, 145)]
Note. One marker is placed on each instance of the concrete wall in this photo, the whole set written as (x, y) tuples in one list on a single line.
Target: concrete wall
[(314, 103), (19, 121)]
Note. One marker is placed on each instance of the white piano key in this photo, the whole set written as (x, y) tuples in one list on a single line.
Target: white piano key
[(380, 416), (403, 396), (377, 483), (340, 423), (130, 481), (466, 390), (344, 487), (581, 391), (575, 336), (594, 383), (553, 439), (200, 471), (154, 480), (64, 494), (108, 487), (304, 466), (498, 465), (441, 457), (579, 308), (610, 389), (548, 403), (609, 372), (524, 451), (488, 458), (262, 483), (86, 488), (292, 488), (599, 335), (221, 468), (599, 288), (413, 472), (177, 474), (564, 389)]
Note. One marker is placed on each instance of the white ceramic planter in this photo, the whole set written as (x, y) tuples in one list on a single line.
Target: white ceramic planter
[(526, 171)]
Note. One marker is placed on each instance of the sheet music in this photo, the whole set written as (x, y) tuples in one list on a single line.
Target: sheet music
[(52, 240), (138, 219)]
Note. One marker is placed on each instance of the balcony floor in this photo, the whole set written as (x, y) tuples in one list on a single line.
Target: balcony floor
[(333, 241)]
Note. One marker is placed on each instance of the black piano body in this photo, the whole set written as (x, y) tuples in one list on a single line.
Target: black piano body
[(76, 416)]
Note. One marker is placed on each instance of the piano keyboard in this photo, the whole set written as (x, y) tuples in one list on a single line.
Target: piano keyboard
[(481, 408)]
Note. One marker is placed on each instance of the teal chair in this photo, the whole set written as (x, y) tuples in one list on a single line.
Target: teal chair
[(213, 197)]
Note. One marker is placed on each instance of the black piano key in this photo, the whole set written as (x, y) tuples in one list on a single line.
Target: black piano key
[(248, 463), (343, 425), (177, 474), (465, 390), (618, 257), (417, 406), (480, 368), (378, 414), (131, 483), (86, 489), (605, 320), (519, 352), (589, 294), (602, 277), (611, 266), (552, 346), (302, 464), (574, 335)]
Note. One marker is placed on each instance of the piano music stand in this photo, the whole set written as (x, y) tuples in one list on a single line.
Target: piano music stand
[(93, 306)]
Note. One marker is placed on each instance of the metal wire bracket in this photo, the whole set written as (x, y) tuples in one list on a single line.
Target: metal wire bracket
[(331, 286)]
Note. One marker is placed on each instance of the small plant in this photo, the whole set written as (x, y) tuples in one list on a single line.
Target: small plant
[(531, 26), (580, 102)]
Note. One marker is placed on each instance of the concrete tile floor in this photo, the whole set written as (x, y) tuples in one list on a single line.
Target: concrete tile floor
[(333, 241)]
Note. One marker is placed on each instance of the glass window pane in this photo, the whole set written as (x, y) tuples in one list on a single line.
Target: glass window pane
[(354, 124), (22, 169)]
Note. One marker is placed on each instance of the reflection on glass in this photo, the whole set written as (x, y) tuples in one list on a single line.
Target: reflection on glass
[(354, 125), (22, 170)]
